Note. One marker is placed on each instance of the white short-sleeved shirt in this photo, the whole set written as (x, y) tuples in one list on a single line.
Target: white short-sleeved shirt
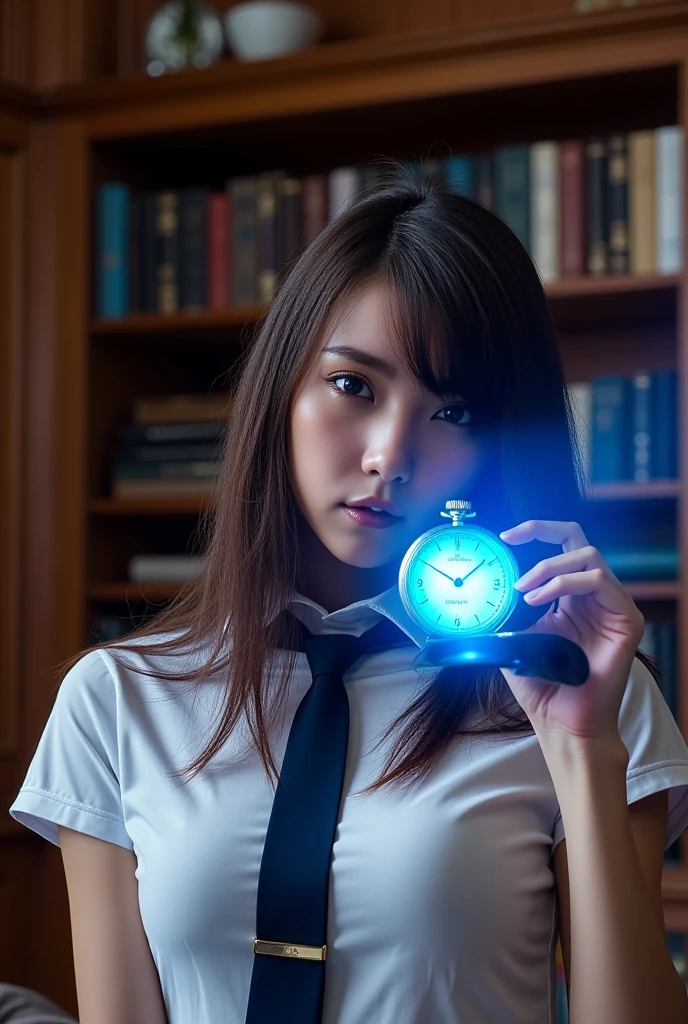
[(442, 898)]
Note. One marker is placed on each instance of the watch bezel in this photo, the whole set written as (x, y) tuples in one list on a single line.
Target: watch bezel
[(467, 528)]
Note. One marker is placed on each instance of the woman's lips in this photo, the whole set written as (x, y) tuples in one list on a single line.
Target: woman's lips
[(375, 520)]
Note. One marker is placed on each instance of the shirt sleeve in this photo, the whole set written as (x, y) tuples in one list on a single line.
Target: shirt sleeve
[(73, 778), (658, 754)]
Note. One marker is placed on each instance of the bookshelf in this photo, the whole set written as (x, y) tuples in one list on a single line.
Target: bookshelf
[(343, 103)]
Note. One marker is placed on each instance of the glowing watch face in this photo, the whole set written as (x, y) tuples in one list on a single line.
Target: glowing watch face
[(458, 580)]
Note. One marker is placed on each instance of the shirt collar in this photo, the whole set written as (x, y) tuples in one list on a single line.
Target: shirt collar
[(355, 618)]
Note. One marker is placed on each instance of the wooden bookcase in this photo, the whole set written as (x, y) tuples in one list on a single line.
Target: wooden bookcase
[(341, 103)]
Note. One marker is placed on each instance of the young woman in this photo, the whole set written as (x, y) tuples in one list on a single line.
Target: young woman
[(408, 358)]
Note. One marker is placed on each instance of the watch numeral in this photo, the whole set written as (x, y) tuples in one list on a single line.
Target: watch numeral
[(419, 582), (457, 622), (497, 584)]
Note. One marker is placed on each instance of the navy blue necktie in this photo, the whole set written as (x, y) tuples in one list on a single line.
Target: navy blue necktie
[(288, 978)]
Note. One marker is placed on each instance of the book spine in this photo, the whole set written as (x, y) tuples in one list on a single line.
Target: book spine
[(596, 164), (167, 252), (112, 219), (314, 205), (165, 433), (669, 184), (665, 425), (484, 179), (156, 490), (266, 217), (166, 453), (666, 659), (642, 400), (512, 189), (244, 247), (572, 207), (289, 224), (135, 282), (193, 248), (641, 201), (343, 183), (610, 417), (218, 270), (544, 222), (617, 204), (460, 173), (175, 470), (149, 288)]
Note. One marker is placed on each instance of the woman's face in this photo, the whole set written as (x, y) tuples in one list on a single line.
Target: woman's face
[(361, 428)]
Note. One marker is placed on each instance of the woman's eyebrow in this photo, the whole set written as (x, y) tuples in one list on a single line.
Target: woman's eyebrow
[(364, 358), (382, 366)]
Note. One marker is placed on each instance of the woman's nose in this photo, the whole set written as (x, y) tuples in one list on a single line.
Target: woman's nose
[(389, 450)]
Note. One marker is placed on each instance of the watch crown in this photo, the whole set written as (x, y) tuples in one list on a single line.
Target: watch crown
[(457, 503)]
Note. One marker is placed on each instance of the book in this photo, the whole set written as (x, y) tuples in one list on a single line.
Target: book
[(290, 217), (512, 189), (181, 409), (218, 250), (572, 257), (460, 173), (642, 202), (610, 419), (617, 204), (669, 186), (244, 240), (545, 209), (642, 417), (164, 568), (167, 252), (314, 205), (167, 433), (161, 488), (597, 256), (342, 185), (193, 248), (112, 249)]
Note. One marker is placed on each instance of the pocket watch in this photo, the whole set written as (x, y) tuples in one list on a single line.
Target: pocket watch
[(456, 581)]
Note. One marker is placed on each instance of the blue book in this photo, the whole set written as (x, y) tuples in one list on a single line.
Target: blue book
[(611, 416), (643, 446), (665, 424), (112, 249), (512, 189), (666, 659), (460, 173)]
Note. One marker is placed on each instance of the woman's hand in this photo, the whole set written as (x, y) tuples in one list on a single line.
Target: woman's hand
[(595, 611)]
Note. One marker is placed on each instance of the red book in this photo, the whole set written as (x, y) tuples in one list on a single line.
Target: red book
[(572, 206), (218, 251)]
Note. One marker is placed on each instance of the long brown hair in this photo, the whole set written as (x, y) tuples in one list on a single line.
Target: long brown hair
[(460, 276)]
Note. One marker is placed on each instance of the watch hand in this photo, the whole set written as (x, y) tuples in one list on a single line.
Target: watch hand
[(473, 570), (437, 570)]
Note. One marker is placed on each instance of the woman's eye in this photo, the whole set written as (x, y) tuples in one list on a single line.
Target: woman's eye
[(457, 414), (351, 384)]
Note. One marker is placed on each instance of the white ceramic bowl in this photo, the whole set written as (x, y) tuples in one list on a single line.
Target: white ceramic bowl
[(260, 29)]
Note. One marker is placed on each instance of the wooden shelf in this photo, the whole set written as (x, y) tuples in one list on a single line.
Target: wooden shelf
[(615, 299), (205, 321), (312, 71)]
